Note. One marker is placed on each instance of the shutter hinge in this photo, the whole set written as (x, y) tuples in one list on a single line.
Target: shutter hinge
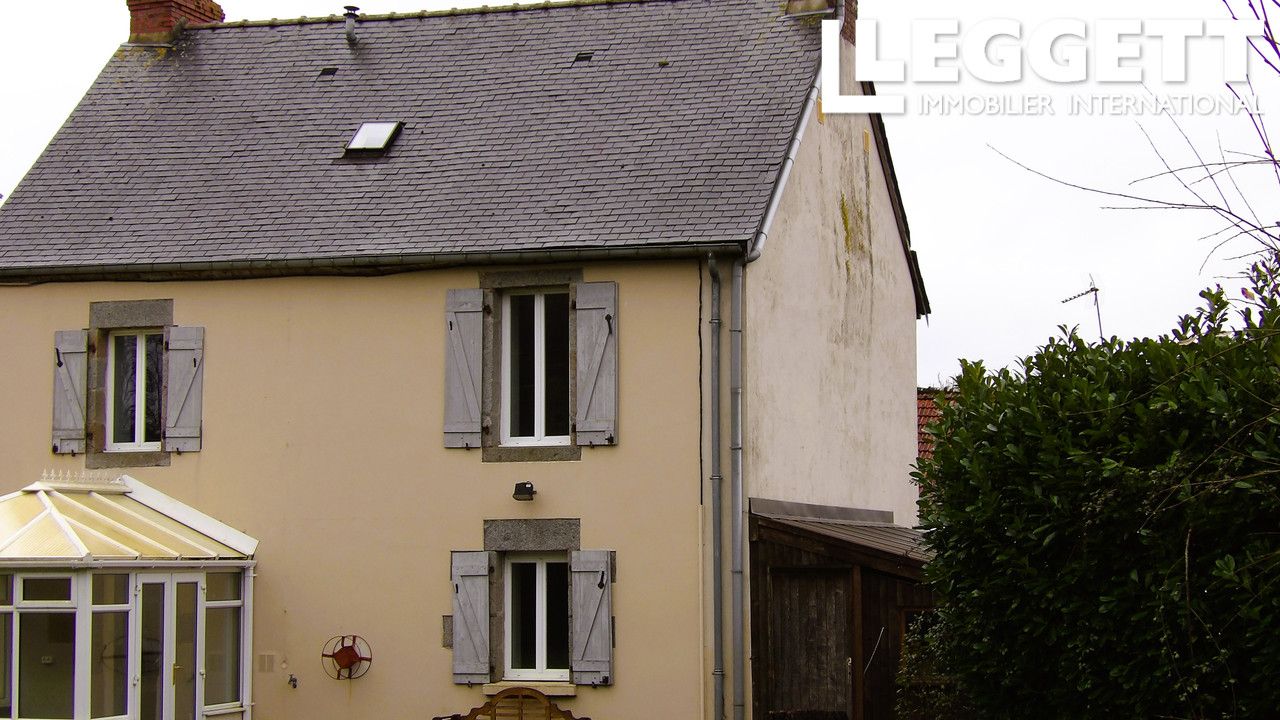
[(57, 354)]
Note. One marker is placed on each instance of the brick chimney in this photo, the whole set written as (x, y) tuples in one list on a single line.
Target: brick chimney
[(157, 21), (850, 19)]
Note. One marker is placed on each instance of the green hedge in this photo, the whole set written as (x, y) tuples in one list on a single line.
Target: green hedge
[(1106, 522)]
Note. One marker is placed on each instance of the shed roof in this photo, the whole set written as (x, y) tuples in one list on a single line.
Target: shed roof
[(887, 538), (625, 125), (63, 520)]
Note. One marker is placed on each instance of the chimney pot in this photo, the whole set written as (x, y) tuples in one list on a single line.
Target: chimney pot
[(158, 21), (351, 14)]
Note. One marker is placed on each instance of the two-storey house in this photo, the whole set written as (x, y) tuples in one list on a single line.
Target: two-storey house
[(361, 367)]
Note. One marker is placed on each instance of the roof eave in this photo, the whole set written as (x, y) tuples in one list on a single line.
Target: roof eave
[(360, 265), (899, 210)]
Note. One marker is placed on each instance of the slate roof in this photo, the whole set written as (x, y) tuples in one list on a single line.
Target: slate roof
[(227, 150)]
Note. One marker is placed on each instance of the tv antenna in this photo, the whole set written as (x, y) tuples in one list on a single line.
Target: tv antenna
[(1093, 290)]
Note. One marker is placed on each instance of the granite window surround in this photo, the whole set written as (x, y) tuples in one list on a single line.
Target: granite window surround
[(104, 318), (494, 284)]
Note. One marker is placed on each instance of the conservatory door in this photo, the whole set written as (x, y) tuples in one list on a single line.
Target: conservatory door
[(168, 672)]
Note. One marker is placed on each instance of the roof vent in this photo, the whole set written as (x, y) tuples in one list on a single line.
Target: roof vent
[(584, 56), (374, 136), (351, 15), (328, 72)]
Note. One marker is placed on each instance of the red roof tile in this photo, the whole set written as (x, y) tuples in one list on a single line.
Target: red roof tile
[(927, 412)]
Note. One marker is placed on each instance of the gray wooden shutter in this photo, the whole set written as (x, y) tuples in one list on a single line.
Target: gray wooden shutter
[(464, 325), (71, 362), (591, 632), (184, 377), (597, 351), (471, 616)]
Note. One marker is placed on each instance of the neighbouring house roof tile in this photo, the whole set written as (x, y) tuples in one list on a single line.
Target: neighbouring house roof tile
[(229, 147), (927, 413)]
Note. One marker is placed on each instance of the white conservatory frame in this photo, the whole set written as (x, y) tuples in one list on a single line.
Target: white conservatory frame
[(104, 531)]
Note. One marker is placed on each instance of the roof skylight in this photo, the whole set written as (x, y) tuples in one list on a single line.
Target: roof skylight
[(375, 136)]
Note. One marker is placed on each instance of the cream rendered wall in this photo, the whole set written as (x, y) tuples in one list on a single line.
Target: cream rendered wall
[(322, 438), (830, 349)]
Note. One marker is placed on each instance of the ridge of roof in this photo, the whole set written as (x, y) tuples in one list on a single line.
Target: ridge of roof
[(452, 12)]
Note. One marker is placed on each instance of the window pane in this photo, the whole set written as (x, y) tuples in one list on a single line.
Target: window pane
[(46, 664), (557, 363), (524, 632), (110, 589), (150, 696), (124, 379), (6, 589), (46, 589), (222, 655), (222, 586), (521, 381), (184, 653), (155, 357), (557, 616), (109, 663), (6, 672)]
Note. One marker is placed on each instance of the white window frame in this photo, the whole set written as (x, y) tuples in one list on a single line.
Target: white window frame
[(539, 437), (23, 606), (541, 672), (84, 686), (140, 393), (239, 604)]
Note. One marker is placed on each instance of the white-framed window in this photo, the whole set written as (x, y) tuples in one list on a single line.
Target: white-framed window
[(44, 632), (537, 617), (223, 630), (535, 367), (111, 604), (134, 412)]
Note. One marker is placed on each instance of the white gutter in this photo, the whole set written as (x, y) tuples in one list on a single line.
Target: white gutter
[(757, 247)]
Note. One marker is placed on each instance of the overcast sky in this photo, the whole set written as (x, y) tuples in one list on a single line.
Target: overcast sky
[(1000, 248)]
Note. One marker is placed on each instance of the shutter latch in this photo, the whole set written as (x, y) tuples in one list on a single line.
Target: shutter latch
[(609, 319)]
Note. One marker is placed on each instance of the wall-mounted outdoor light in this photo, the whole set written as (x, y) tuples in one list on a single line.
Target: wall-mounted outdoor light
[(524, 491)]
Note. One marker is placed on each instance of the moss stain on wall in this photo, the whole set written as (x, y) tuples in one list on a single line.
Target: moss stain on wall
[(853, 221)]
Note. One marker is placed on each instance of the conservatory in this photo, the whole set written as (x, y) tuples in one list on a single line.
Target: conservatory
[(117, 601)]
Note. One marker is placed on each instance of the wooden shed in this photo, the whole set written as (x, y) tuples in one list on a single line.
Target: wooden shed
[(833, 592)]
